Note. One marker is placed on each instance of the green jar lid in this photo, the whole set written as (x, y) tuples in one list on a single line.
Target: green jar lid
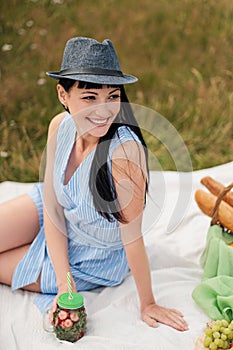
[(66, 302)]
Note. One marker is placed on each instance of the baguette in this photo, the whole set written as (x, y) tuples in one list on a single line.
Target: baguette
[(216, 188), (206, 202)]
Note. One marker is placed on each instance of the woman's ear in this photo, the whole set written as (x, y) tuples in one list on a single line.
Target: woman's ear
[(62, 94)]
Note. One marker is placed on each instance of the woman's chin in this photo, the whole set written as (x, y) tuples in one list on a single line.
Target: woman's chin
[(99, 131)]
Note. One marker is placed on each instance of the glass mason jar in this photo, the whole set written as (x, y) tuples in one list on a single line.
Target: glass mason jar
[(69, 319)]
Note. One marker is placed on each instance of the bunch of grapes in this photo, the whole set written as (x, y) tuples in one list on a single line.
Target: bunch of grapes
[(219, 335)]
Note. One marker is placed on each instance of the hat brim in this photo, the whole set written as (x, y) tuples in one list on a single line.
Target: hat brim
[(97, 79)]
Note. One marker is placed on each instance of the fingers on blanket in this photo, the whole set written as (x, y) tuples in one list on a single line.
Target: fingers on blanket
[(176, 321), (150, 321), (177, 312), (169, 317)]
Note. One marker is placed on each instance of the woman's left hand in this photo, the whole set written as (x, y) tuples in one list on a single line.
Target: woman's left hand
[(153, 313)]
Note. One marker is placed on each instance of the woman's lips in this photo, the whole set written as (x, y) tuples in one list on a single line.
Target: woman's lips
[(99, 122)]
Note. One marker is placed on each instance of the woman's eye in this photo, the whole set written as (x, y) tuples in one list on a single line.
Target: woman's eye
[(91, 97), (114, 97)]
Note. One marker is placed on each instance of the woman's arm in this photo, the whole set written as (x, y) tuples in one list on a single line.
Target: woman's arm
[(129, 177), (54, 221), (151, 313)]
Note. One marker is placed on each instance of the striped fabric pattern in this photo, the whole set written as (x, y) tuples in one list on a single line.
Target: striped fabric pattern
[(96, 253)]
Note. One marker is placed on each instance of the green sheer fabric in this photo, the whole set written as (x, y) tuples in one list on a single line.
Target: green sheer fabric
[(215, 292)]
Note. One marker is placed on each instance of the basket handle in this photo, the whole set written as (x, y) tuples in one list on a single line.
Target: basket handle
[(226, 189)]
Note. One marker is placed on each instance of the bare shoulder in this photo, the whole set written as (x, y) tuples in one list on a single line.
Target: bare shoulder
[(55, 122), (130, 151), (129, 160)]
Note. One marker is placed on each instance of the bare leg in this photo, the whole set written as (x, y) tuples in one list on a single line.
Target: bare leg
[(19, 223), (8, 262)]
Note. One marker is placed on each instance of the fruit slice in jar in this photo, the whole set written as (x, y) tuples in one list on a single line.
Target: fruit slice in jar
[(74, 316)]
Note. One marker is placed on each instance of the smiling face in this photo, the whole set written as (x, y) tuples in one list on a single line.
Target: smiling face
[(93, 110)]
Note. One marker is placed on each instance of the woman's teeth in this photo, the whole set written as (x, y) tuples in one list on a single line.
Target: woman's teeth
[(99, 121)]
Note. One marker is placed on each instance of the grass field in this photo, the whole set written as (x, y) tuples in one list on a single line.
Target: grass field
[(181, 50)]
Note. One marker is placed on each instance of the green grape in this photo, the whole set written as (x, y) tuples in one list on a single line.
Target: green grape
[(231, 326), (223, 336), (216, 335), (227, 331), (218, 342), (209, 332), (230, 335), (207, 341), (225, 323), (222, 329), (215, 328), (225, 345), (213, 346), (220, 345), (218, 323)]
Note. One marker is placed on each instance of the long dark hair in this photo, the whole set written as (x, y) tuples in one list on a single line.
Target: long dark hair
[(101, 183)]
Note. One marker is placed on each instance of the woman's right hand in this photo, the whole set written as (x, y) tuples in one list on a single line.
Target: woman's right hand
[(62, 288)]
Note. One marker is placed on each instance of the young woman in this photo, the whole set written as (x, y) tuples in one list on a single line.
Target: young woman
[(85, 217)]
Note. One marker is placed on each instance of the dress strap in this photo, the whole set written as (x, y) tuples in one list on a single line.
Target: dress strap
[(123, 134)]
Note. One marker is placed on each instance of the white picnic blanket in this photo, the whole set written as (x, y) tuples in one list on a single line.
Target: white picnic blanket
[(175, 232)]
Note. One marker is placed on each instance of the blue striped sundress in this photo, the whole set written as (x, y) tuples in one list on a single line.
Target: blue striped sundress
[(95, 250)]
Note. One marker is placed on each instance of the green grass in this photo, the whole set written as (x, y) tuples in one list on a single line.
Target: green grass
[(181, 50)]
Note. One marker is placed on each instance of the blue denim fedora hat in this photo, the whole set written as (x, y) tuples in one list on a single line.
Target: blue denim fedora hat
[(88, 60)]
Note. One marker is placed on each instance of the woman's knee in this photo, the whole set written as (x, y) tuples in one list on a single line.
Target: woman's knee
[(19, 223), (8, 262)]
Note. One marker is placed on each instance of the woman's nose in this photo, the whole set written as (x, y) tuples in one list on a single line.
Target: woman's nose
[(103, 110)]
